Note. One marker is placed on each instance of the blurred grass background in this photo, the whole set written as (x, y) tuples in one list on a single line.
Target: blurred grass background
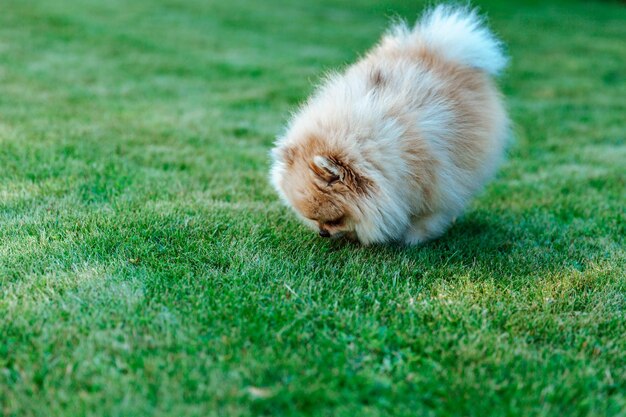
[(147, 268)]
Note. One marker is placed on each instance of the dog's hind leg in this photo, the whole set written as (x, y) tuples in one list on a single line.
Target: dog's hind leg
[(428, 228)]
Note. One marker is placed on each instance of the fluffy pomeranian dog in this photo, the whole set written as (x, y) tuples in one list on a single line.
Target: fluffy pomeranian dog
[(394, 148)]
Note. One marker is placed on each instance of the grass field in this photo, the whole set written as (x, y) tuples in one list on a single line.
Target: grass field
[(147, 267)]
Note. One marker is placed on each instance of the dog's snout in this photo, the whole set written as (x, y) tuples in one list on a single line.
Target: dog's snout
[(324, 233)]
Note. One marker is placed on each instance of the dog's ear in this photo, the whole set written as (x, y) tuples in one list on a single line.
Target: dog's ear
[(333, 169), (327, 169)]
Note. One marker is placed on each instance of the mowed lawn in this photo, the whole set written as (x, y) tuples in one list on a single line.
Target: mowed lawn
[(147, 267)]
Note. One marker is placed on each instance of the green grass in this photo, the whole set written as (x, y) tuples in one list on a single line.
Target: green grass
[(147, 267)]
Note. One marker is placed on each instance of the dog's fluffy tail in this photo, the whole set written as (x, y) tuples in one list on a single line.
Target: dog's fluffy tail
[(458, 34)]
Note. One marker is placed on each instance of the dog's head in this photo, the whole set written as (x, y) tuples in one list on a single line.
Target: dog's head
[(325, 187)]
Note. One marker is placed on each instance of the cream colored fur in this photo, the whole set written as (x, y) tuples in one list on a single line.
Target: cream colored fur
[(394, 148)]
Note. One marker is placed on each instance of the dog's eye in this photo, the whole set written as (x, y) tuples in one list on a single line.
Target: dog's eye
[(335, 222)]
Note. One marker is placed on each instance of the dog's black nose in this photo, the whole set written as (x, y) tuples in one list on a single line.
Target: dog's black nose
[(324, 233)]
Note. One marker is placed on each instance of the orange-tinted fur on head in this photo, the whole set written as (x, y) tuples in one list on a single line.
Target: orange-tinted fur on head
[(321, 185), (394, 148)]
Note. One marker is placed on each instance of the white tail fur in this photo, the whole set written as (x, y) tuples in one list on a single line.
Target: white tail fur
[(458, 34)]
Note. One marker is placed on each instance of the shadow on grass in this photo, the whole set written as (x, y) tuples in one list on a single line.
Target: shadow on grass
[(511, 245), (473, 238)]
